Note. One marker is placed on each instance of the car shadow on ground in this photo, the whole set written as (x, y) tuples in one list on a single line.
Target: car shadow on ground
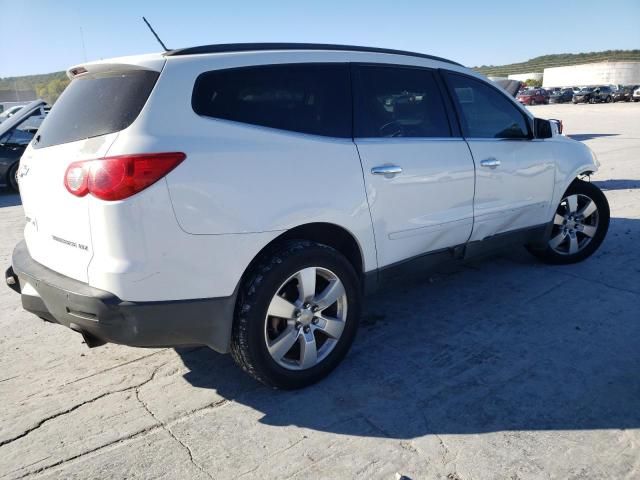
[(504, 344), (9, 198), (581, 137), (620, 184)]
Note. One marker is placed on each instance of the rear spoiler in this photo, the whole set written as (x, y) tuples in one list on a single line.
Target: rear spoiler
[(153, 62)]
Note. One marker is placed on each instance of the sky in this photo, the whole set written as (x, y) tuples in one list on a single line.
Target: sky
[(51, 35)]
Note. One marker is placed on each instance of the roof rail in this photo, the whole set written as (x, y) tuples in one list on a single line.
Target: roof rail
[(248, 47)]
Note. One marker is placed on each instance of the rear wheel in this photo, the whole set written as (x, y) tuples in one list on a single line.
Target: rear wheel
[(579, 226), (12, 177), (609, 99), (297, 315)]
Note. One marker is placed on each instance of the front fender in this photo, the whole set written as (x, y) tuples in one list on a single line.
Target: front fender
[(573, 158)]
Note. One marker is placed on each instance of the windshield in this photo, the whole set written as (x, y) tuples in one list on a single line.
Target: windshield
[(9, 112), (22, 133), (95, 105)]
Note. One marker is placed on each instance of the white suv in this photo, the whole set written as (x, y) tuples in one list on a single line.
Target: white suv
[(245, 196)]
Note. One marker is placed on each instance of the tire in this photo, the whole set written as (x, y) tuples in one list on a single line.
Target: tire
[(12, 181), (256, 334), (596, 222), (609, 99), (532, 102)]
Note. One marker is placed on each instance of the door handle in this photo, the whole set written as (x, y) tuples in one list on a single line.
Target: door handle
[(490, 162), (387, 170)]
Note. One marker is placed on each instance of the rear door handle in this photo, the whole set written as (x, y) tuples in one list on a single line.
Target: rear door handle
[(490, 162), (387, 170)]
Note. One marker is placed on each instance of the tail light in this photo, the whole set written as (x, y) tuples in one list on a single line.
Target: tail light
[(117, 178)]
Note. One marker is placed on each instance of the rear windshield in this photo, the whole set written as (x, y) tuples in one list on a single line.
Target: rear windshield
[(96, 105)]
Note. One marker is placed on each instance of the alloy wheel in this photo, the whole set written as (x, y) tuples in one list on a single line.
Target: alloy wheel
[(575, 223), (305, 318), (13, 178)]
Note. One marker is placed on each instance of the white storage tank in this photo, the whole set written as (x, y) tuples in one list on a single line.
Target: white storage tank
[(601, 73), (523, 77)]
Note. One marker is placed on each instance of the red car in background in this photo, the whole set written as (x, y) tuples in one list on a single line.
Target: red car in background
[(536, 96)]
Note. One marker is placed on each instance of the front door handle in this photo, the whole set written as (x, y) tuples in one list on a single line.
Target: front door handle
[(387, 170), (490, 162)]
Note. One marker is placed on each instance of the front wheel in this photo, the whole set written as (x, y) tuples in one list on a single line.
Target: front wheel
[(297, 315), (579, 225), (12, 177)]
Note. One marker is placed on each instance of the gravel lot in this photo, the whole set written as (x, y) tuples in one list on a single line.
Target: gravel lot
[(503, 368)]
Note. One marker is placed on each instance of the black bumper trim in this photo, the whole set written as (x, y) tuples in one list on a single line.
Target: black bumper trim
[(107, 318)]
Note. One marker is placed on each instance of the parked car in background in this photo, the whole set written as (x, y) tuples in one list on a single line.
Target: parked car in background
[(15, 135), (622, 94), (561, 96), (36, 117), (583, 95), (244, 220), (538, 96), (512, 87), (636, 95), (602, 94), (9, 112)]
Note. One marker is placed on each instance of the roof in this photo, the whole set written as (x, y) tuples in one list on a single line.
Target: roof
[(250, 47)]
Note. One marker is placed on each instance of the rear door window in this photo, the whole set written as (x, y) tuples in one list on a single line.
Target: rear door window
[(484, 111), (307, 98), (96, 104), (394, 101)]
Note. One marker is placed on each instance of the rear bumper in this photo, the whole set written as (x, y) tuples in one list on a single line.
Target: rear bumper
[(102, 317)]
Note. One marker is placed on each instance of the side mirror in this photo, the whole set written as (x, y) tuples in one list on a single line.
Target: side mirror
[(558, 124), (542, 128)]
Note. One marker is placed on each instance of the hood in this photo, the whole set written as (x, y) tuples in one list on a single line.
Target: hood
[(511, 86), (20, 115)]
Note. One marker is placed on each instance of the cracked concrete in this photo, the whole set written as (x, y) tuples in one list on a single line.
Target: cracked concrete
[(167, 428), (503, 368)]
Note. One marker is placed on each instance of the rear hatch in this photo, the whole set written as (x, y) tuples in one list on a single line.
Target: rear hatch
[(102, 99)]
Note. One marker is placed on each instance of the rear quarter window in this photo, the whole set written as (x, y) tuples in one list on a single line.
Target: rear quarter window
[(305, 98), (94, 105)]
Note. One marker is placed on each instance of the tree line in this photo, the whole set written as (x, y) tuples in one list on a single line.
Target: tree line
[(47, 86), (538, 64)]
